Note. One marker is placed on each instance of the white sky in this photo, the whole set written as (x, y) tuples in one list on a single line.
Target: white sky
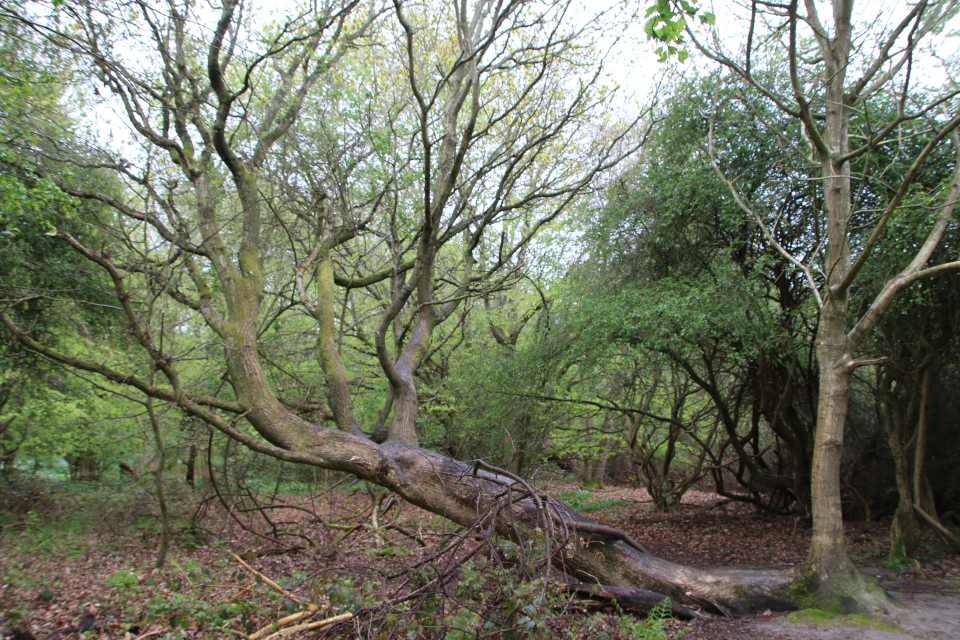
[(634, 65), (632, 62)]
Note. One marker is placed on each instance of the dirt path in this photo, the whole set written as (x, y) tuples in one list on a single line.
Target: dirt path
[(929, 611)]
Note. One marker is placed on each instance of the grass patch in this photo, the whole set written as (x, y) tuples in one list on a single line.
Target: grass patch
[(833, 618), (584, 501)]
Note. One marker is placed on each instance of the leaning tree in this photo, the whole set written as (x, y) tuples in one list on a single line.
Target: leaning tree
[(363, 168)]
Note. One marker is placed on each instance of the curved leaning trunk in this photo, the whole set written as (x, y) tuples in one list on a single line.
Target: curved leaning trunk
[(461, 493), (464, 494)]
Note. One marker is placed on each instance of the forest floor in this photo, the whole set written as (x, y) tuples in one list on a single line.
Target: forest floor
[(79, 564)]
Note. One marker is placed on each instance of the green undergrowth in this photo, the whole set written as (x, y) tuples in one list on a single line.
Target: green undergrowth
[(901, 562), (584, 501), (834, 617), (652, 628)]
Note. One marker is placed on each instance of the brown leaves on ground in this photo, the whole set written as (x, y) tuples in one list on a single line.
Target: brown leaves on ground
[(60, 580)]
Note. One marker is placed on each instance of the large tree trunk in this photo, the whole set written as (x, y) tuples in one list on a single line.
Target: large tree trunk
[(828, 572)]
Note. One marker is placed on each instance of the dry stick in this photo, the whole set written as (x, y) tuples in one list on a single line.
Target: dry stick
[(492, 513), (443, 576), (439, 554), (349, 528), (310, 626), (530, 491), (546, 512), (267, 581), (238, 594), (416, 537), (263, 514), (282, 622), (216, 490)]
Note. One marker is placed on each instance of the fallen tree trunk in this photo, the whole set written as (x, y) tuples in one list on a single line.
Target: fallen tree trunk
[(465, 494), (634, 599)]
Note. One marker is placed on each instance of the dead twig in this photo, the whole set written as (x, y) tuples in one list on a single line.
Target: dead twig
[(279, 624), (238, 594), (310, 626), (267, 581)]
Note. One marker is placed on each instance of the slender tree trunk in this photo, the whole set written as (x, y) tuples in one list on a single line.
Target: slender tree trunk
[(903, 527), (594, 462), (922, 492), (7, 463), (158, 480), (828, 571), (191, 465), (202, 469), (84, 466), (515, 449), (901, 431)]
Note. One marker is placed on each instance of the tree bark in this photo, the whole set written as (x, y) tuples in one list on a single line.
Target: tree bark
[(828, 572), (158, 483)]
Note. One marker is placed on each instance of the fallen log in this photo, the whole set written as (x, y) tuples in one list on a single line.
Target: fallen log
[(636, 600)]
